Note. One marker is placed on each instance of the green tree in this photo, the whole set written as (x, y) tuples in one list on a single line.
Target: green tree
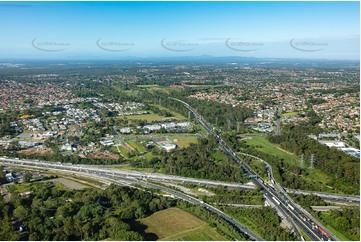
[(21, 212), (27, 177)]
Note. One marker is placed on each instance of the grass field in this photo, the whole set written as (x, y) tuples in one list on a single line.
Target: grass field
[(203, 130), (289, 114), (150, 156), (87, 180), (132, 93), (131, 168), (147, 86), (175, 114), (52, 118), (150, 117), (219, 157), (176, 224), (122, 149), (265, 146), (185, 141), (136, 146), (19, 188)]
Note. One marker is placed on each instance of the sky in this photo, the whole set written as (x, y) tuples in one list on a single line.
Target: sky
[(315, 30)]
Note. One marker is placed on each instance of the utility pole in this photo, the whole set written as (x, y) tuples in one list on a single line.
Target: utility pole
[(302, 161), (189, 116), (229, 124), (278, 121), (312, 160)]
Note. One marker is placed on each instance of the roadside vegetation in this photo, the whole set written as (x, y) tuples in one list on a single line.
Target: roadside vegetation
[(203, 160), (51, 212), (333, 170), (262, 221), (344, 222)]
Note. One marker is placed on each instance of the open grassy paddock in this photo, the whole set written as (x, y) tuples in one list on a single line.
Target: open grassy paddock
[(176, 115), (183, 141), (289, 114), (177, 224), (262, 144), (135, 145), (150, 117)]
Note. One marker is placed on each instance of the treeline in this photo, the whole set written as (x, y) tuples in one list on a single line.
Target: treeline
[(58, 157), (234, 196), (53, 213), (218, 113), (157, 110), (214, 112), (306, 201), (263, 221), (345, 220), (197, 161), (316, 101), (222, 227), (5, 119), (344, 168)]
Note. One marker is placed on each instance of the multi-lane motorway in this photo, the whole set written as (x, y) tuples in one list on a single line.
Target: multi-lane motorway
[(276, 194), (129, 179), (336, 198)]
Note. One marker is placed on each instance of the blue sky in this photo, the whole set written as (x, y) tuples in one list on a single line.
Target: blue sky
[(327, 30)]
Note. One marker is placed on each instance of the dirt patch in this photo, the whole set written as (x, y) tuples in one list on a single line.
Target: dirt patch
[(103, 156), (285, 151), (35, 152)]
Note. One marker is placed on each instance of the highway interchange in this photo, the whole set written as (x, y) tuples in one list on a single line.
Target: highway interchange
[(132, 179), (275, 193)]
